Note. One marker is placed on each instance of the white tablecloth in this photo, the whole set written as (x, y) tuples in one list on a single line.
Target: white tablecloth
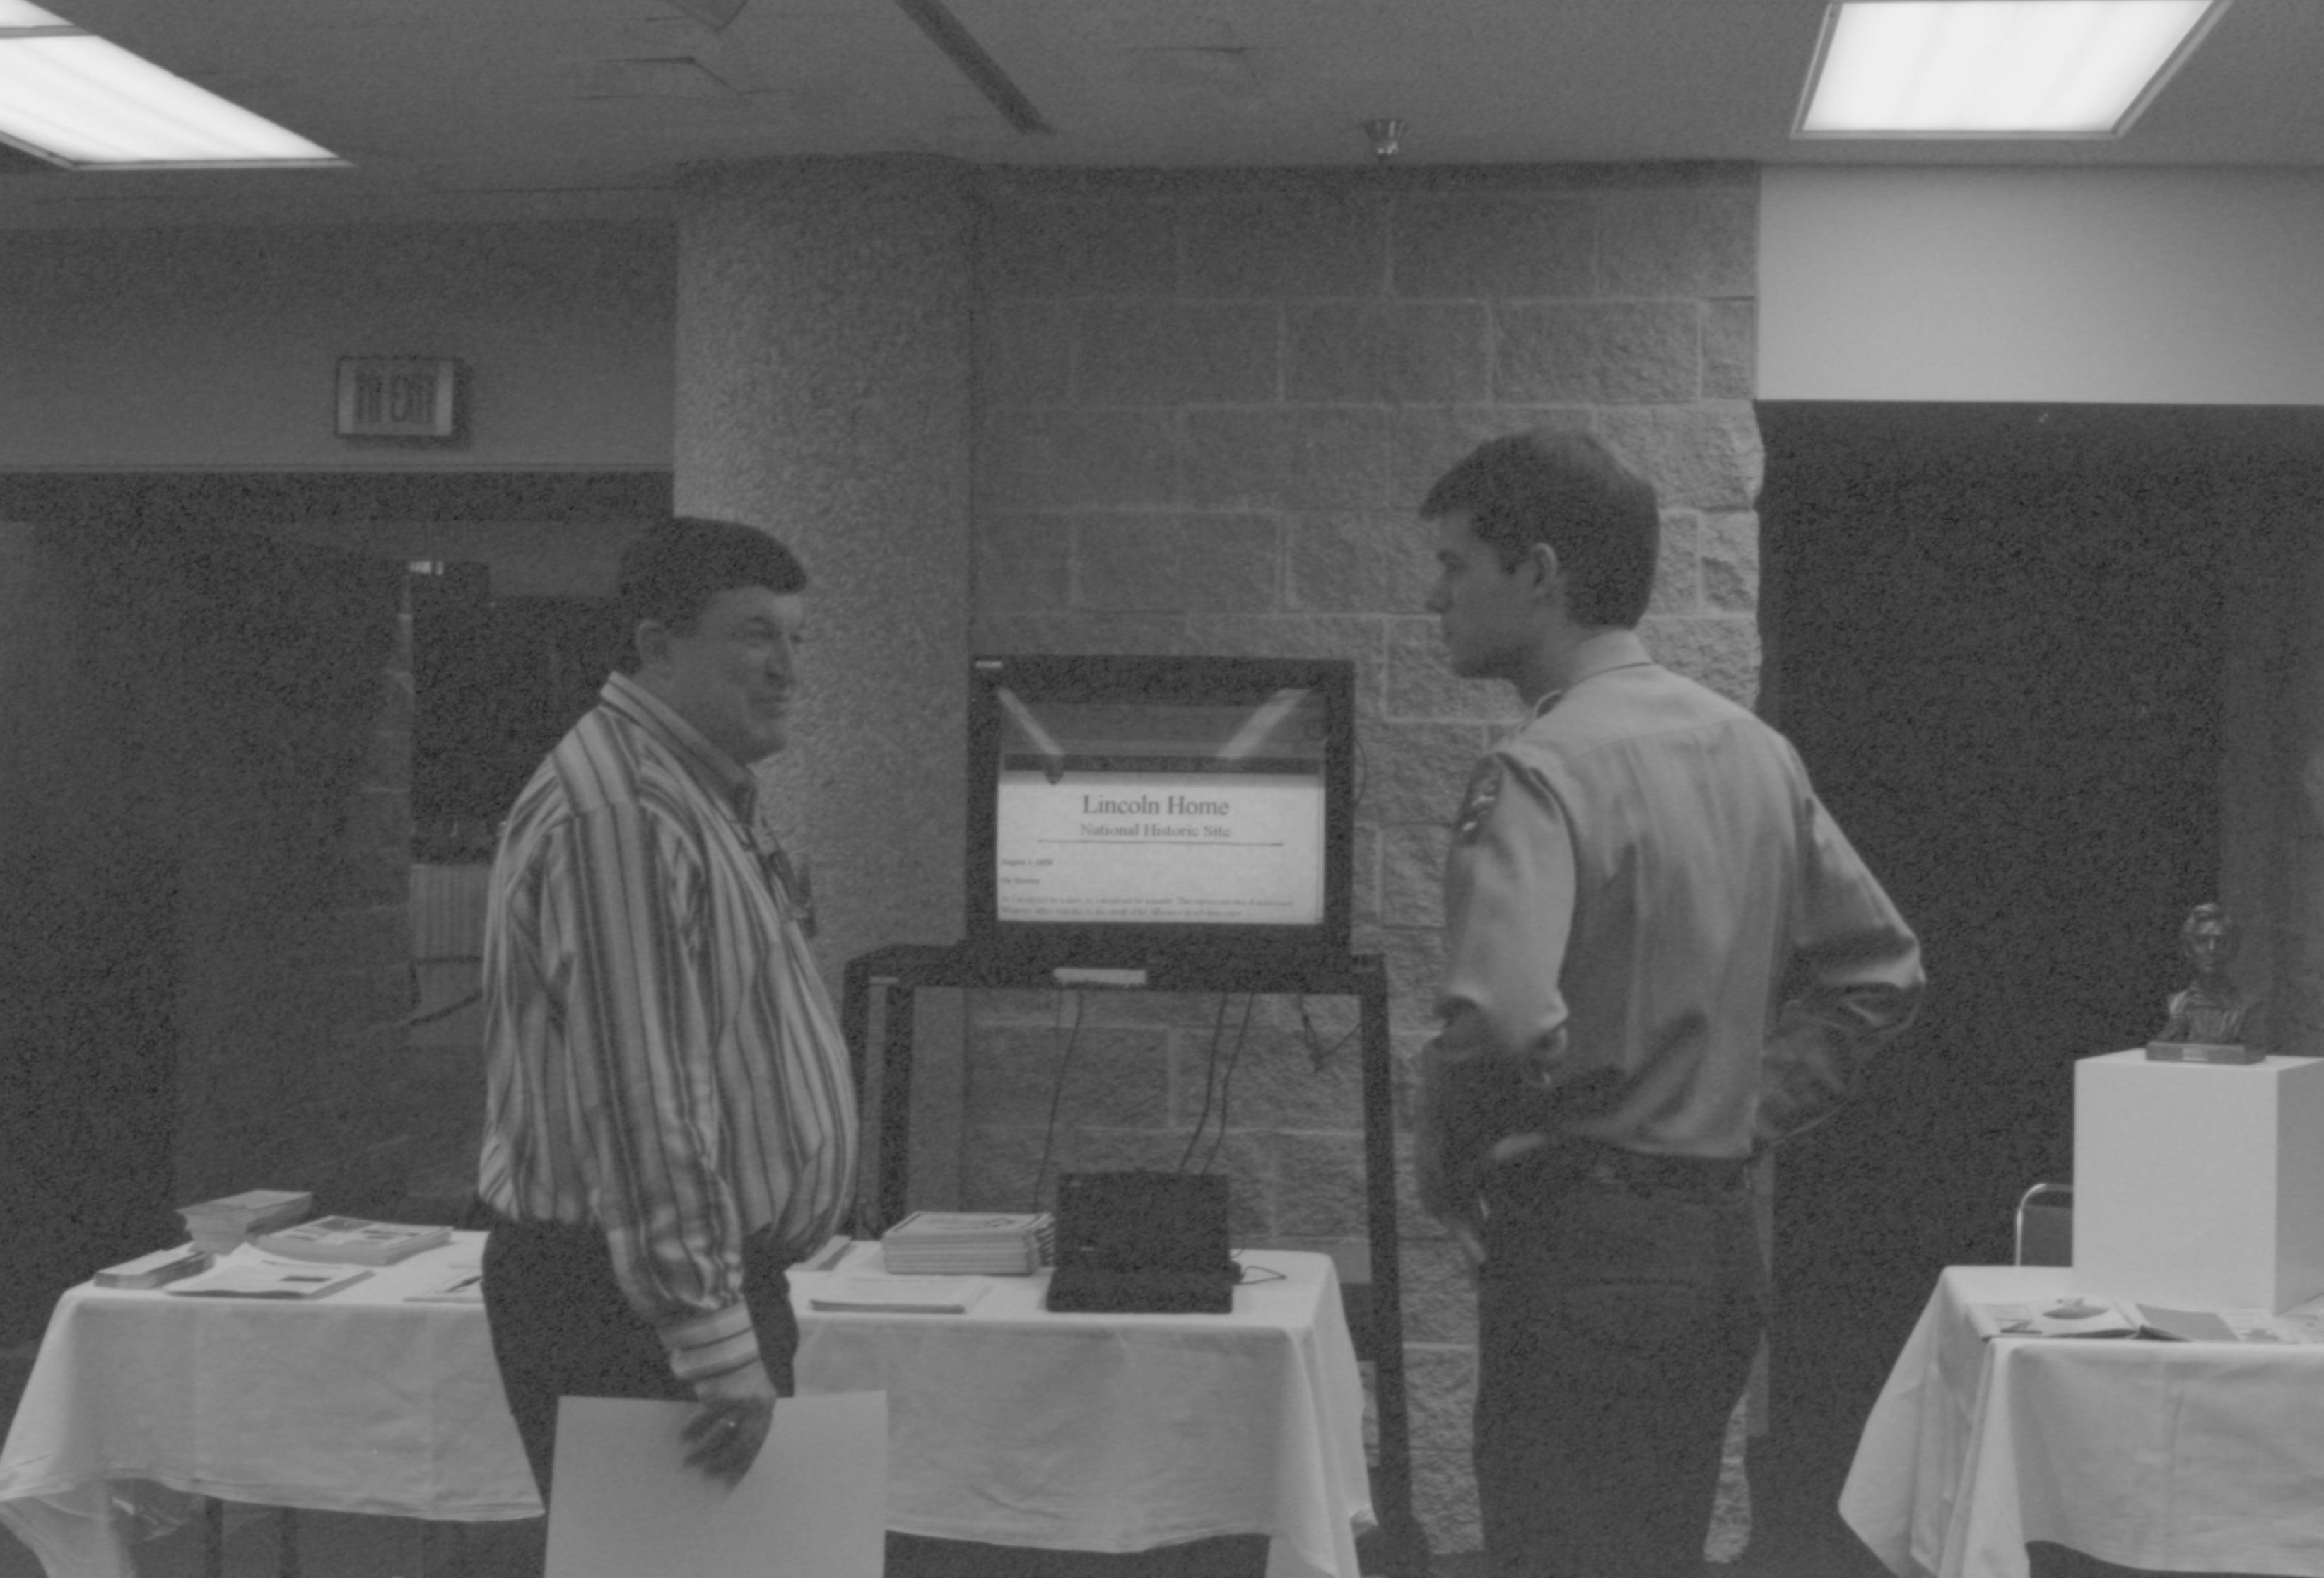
[(1008, 1425), (2204, 1457)]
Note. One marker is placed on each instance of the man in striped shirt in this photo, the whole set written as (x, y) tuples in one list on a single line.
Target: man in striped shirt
[(669, 1116)]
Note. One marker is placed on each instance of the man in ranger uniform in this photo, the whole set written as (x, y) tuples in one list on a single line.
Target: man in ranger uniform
[(1662, 957)]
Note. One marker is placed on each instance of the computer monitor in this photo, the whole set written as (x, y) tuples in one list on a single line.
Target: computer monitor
[(1127, 810)]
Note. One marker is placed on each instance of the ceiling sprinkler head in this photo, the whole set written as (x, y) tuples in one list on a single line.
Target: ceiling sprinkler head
[(1386, 134)]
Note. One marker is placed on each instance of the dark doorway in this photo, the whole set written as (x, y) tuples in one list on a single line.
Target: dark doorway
[(89, 946), (190, 719), (203, 976), (1995, 634), (495, 682)]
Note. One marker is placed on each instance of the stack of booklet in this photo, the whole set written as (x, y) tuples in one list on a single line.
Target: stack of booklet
[(217, 1225), (897, 1294), (351, 1241), (959, 1244), (154, 1270)]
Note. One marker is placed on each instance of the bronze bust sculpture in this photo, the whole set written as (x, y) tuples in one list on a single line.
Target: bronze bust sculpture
[(2211, 1020)]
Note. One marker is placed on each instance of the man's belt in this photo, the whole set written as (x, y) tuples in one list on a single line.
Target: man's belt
[(1615, 1167), (759, 1241)]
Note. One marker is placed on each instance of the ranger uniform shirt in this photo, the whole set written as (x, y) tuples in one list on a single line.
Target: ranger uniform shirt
[(1658, 938)]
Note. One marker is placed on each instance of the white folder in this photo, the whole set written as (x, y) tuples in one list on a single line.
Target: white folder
[(627, 1506)]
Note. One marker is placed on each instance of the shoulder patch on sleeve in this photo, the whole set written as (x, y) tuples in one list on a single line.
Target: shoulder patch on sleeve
[(1476, 804)]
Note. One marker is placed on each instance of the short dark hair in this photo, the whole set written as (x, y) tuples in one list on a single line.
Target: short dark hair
[(671, 571), (1570, 492)]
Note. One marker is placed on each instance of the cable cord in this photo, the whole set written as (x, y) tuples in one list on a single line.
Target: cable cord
[(1212, 1080), (1226, 1084), (1056, 1095), (448, 1010), (1210, 1077), (1318, 1053)]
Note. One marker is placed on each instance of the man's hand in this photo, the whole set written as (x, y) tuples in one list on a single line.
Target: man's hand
[(1449, 1193), (726, 1436), (1447, 1182)]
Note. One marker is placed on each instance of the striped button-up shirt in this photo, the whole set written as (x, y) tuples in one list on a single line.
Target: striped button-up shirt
[(664, 1064)]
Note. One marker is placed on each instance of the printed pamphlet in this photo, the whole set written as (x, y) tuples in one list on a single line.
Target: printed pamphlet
[(351, 1239), (258, 1279)]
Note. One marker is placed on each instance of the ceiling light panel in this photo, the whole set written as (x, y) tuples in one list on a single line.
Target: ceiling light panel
[(1995, 68), (86, 103)]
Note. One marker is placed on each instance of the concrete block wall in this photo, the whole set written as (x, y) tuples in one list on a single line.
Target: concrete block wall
[(1209, 403)]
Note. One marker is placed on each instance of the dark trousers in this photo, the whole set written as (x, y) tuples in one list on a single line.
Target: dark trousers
[(1616, 1327), (561, 1327)]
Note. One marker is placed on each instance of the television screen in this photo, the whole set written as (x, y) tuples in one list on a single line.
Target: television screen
[(1126, 806)]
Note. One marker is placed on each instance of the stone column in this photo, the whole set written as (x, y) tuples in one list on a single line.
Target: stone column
[(2295, 903), (823, 313), (2269, 524)]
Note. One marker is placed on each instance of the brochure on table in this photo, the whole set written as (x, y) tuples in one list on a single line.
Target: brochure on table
[(2081, 1315), (880, 1295), (239, 1277)]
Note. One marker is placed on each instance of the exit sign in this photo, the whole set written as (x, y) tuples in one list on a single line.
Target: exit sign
[(399, 397)]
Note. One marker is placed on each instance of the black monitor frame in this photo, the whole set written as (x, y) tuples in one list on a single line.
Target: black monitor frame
[(1168, 680)]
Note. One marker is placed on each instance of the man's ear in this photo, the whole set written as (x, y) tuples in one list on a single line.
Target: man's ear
[(1543, 559), (652, 638)]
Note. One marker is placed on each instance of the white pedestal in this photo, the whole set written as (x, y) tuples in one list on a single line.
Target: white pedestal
[(2200, 1185)]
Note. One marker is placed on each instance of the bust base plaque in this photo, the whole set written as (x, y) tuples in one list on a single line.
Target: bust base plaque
[(2197, 1187), (2202, 1052)]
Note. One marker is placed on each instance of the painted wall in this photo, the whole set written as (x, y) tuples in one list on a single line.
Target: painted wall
[(2190, 287), (216, 348)]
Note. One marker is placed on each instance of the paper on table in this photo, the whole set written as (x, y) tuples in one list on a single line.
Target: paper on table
[(897, 1295), (261, 1279), (458, 1286), (2068, 1315), (626, 1505), (2231, 1325)]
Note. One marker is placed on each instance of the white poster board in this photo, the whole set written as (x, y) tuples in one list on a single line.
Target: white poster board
[(627, 1506)]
